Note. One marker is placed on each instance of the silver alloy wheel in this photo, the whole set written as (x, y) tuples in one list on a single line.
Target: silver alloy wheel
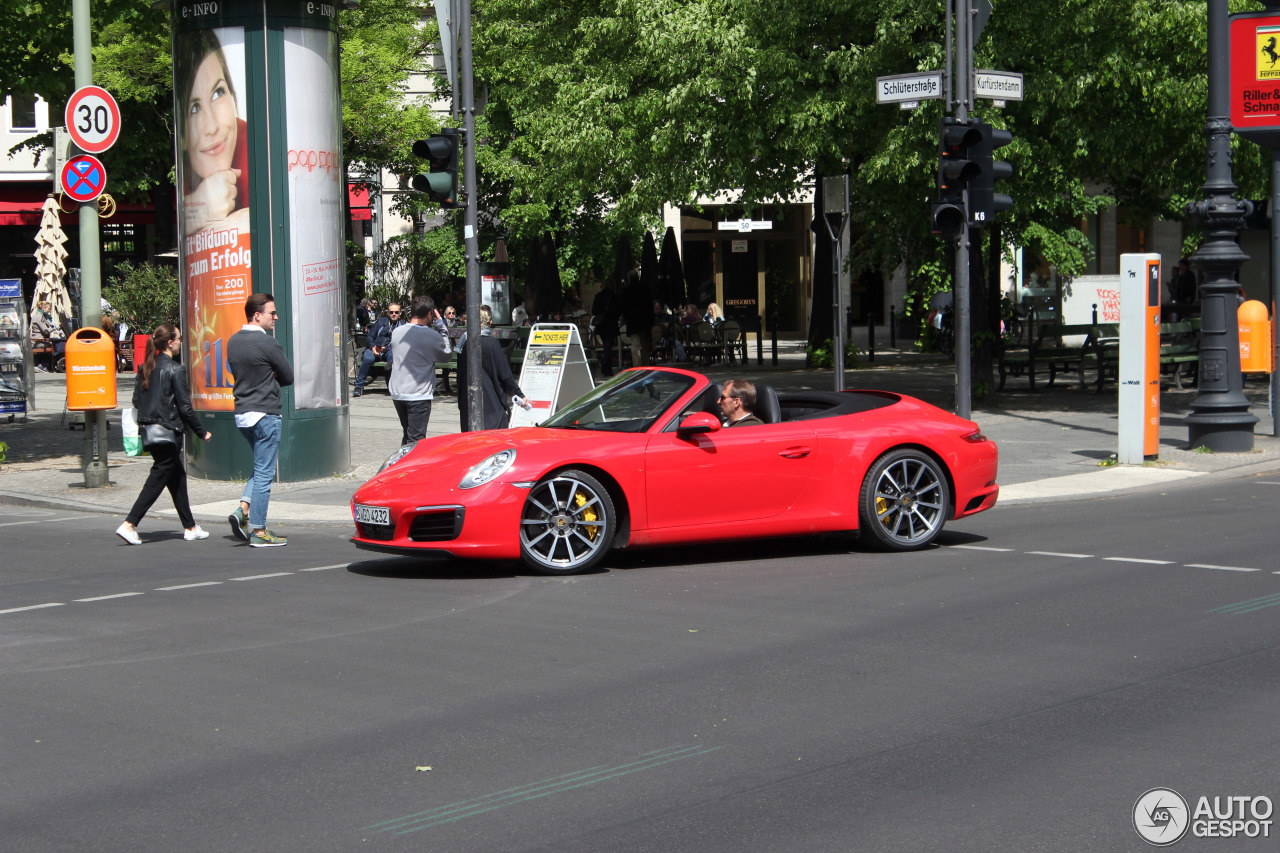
[(566, 525), (904, 500)]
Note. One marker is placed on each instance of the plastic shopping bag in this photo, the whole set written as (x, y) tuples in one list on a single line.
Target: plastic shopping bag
[(129, 429)]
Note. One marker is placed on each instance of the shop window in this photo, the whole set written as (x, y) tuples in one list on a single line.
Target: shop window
[(118, 239), (22, 112)]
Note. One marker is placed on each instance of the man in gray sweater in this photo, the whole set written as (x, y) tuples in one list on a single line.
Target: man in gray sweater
[(260, 368), (415, 349)]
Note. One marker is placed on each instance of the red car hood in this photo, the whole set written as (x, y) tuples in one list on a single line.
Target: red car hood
[(443, 460)]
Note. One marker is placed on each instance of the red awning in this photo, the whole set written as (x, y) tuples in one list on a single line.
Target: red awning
[(21, 203)]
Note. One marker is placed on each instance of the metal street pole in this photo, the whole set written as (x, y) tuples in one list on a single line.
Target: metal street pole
[(964, 76), (95, 421), (1220, 420), (1275, 287), (471, 243)]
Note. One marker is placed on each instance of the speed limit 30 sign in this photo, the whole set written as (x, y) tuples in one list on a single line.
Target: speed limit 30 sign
[(93, 119)]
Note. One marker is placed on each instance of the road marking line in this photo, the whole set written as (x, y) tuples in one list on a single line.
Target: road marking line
[(534, 790), (1248, 606), (1060, 554), (187, 586), (326, 568), (31, 607), (39, 521), (1139, 560), (260, 577), (980, 548), (117, 595), (1218, 568)]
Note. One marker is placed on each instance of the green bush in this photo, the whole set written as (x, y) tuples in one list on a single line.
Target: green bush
[(144, 296), (820, 356)]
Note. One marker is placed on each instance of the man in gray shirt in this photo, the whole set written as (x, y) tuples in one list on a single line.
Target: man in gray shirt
[(415, 349), (260, 367)]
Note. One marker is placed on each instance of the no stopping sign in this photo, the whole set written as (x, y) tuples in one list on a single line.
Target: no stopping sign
[(93, 119)]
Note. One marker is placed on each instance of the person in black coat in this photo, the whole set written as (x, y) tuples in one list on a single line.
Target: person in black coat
[(162, 398), (498, 384)]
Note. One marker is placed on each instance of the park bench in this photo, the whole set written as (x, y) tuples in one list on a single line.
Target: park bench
[(1179, 349), (1049, 350)]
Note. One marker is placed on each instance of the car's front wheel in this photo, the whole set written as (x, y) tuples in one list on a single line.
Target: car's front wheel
[(567, 524), (904, 500)]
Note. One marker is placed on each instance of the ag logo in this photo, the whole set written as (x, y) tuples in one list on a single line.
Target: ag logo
[(1160, 816)]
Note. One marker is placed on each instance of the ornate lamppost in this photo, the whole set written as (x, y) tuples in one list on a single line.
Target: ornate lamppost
[(1220, 420)]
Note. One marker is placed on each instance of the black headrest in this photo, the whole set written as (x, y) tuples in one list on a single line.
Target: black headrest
[(767, 408), (711, 399)]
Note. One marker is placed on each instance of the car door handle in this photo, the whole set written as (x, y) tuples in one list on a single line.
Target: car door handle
[(795, 453)]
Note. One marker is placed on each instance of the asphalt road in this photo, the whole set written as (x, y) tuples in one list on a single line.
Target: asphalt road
[(1017, 688)]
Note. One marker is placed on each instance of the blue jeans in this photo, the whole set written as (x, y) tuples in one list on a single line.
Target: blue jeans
[(366, 364), (264, 438)]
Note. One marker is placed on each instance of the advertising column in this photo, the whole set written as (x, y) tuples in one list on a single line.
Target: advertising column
[(259, 160)]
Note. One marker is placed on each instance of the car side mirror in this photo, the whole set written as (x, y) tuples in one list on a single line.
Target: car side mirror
[(696, 423)]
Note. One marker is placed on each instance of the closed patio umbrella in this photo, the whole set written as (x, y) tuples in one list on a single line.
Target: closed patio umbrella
[(671, 272), (51, 263), (551, 292)]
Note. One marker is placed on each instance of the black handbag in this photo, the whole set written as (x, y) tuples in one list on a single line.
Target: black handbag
[(158, 434)]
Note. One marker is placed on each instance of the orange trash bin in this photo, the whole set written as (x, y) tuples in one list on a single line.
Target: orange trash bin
[(1255, 337), (91, 370)]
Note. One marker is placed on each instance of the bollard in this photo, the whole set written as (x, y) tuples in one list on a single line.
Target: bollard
[(871, 338), (759, 341), (893, 327)]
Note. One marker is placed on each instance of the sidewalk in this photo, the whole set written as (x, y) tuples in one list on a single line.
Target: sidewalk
[(1051, 442)]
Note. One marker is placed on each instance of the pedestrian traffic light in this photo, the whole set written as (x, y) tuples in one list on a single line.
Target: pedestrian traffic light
[(441, 182), (984, 201), (956, 169)]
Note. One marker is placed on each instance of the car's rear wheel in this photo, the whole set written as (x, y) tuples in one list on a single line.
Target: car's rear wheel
[(904, 500), (567, 524)]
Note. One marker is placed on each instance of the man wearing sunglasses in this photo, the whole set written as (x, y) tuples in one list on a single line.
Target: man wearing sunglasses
[(736, 402), (260, 367), (378, 346)]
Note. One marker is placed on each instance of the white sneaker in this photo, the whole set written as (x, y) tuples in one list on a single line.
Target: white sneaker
[(130, 536), (195, 533)]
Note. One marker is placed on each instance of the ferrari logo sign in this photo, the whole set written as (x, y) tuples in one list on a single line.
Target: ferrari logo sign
[(1267, 57), (1255, 76)]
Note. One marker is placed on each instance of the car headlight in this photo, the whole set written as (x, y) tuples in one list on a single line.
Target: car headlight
[(489, 469), (401, 452)]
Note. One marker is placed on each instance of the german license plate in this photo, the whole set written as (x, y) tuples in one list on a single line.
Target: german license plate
[(373, 514)]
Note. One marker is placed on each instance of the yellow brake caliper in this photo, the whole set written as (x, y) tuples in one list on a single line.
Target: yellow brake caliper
[(580, 500)]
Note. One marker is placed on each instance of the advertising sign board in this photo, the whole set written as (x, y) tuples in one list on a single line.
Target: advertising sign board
[(1255, 76)]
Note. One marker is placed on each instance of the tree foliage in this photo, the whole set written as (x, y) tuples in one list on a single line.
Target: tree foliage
[(602, 110), (382, 45)]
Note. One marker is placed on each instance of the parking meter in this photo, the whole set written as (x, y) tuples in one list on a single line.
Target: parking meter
[(1139, 367)]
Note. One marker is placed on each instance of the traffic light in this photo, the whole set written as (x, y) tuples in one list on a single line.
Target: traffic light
[(984, 201), (441, 182), (956, 169)]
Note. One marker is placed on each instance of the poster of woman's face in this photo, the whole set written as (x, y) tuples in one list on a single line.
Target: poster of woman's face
[(209, 73), (213, 172)]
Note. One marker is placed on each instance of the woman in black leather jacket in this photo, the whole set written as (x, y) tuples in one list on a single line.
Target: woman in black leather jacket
[(161, 397)]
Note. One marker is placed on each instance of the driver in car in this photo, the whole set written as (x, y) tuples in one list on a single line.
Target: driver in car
[(736, 402)]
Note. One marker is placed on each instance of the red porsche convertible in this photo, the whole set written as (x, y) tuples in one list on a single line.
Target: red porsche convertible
[(643, 460)]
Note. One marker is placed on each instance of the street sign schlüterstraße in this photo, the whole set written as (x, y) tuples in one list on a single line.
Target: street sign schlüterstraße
[(921, 86)]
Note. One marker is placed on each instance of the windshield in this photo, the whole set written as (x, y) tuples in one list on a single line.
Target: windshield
[(630, 402)]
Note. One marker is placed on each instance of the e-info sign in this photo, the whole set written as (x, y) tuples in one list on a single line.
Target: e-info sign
[(1255, 76)]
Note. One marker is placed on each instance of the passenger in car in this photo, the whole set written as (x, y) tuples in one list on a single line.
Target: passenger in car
[(736, 402)]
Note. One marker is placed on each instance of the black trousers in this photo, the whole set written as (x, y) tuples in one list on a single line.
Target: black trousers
[(414, 415), (167, 472)]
